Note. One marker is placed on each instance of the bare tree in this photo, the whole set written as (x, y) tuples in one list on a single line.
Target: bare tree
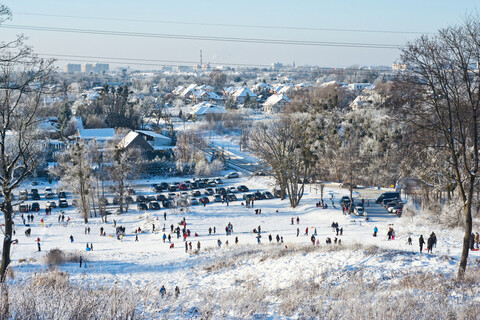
[(75, 172), (282, 144), (22, 80), (445, 107)]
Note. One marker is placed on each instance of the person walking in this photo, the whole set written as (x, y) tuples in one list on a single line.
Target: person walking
[(71, 239), (298, 231), (421, 242)]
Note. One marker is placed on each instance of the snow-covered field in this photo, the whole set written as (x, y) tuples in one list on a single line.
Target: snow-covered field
[(273, 267)]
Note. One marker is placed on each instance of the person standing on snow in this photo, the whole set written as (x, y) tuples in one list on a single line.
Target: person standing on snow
[(421, 242), (375, 231), (430, 244)]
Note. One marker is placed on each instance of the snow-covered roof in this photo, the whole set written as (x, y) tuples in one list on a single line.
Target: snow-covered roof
[(98, 134), (243, 92), (210, 94), (205, 108), (276, 98)]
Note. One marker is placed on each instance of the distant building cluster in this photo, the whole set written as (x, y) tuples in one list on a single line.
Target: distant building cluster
[(86, 67)]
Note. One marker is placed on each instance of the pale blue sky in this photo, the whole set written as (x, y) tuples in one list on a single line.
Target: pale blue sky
[(407, 15)]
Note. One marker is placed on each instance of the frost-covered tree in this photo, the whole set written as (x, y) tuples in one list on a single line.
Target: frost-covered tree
[(444, 110), (75, 172), (23, 78)]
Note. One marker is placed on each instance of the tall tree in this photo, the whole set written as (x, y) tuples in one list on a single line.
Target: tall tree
[(23, 77), (443, 111), (75, 172)]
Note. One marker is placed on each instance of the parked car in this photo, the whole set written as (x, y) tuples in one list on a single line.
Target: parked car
[(129, 200), (194, 185), (48, 189), (202, 184), (221, 190), (23, 195), (23, 208), (167, 204), (140, 199), (211, 184), (232, 175), (49, 195), (392, 204), (142, 206), (104, 201), (242, 188), (232, 190), (217, 198), (150, 198), (62, 195), (172, 196), (195, 193), (153, 205), (164, 185), (268, 195), (62, 203), (232, 197), (51, 204), (209, 191), (130, 192), (358, 211), (258, 195), (388, 195), (161, 197), (218, 181), (345, 201), (182, 186), (387, 201), (157, 188), (116, 201), (35, 207), (34, 191), (35, 196), (194, 202), (172, 188)]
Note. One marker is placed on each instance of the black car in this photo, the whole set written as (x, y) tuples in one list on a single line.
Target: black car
[(202, 184), (150, 198), (268, 195), (153, 205), (232, 197), (104, 201), (243, 188), (193, 185), (221, 190), (172, 188), (142, 207), (116, 201), (388, 195), (209, 191), (164, 185), (62, 195), (130, 191), (258, 195), (161, 197), (195, 193), (157, 188), (167, 204), (129, 200), (204, 199), (35, 206), (62, 203), (35, 196), (141, 199), (34, 191)]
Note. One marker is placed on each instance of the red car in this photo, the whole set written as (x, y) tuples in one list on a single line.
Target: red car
[(183, 186)]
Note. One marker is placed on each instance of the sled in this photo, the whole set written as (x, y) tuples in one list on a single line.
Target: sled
[(475, 249)]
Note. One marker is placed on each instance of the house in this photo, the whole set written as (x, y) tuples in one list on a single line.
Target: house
[(202, 95), (102, 136), (243, 93), (134, 140), (155, 139), (201, 110), (275, 103)]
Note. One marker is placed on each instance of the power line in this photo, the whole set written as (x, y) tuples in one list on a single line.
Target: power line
[(224, 24), (205, 38)]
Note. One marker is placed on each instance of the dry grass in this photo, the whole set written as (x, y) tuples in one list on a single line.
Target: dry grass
[(56, 257)]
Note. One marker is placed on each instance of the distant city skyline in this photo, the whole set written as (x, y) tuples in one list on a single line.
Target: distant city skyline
[(152, 33)]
